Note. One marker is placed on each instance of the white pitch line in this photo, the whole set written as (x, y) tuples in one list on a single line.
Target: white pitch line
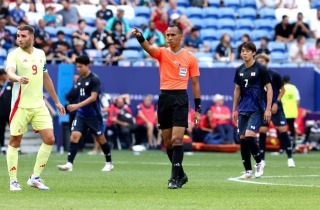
[(275, 184)]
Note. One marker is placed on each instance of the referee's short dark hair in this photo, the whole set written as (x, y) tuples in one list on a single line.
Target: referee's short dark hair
[(176, 25), (83, 59), (2, 71), (28, 28), (248, 46)]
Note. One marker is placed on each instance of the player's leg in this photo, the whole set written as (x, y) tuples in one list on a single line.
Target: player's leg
[(106, 151), (3, 124), (262, 142), (244, 148)]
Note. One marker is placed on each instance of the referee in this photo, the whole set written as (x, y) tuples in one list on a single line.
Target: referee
[(177, 65)]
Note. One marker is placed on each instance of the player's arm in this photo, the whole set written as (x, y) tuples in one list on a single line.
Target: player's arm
[(266, 81), (93, 97), (197, 99), (151, 50), (48, 84), (236, 98), (11, 71)]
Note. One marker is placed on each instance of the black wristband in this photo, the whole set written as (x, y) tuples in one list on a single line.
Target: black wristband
[(140, 38), (197, 104)]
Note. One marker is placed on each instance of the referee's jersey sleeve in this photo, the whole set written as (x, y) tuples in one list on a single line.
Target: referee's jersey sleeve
[(194, 67)]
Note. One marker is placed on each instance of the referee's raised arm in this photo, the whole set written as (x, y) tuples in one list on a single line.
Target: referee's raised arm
[(151, 50)]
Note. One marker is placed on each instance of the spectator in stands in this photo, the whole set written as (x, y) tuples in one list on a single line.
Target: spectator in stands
[(6, 40), (41, 36), (79, 49), (173, 8), (4, 12), (283, 30), (158, 11), (63, 53), (115, 2), (194, 42), (46, 47), (146, 121), (296, 4), (119, 38), (264, 47), (104, 13), (162, 25), (199, 3), (100, 37), (79, 35), (60, 41), (125, 23), (70, 14), (221, 116), (50, 16), (132, 3), (152, 32), (268, 3), (205, 124), (300, 28), (244, 38), (298, 51), (18, 15), (314, 53), (224, 51), (113, 56), (32, 7), (315, 26), (183, 21)]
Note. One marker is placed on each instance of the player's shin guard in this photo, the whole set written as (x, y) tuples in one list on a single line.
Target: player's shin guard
[(245, 155), (12, 162), (73, 149), (177, 158), (262, 144), (42, 158), (106, 151), (254, 149), (170, 154), (284, 138)]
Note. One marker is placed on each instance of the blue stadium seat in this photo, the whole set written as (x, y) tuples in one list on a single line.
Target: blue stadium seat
[(248, 13), (142, 11), (214, 3), (249, 3), (275, 65), (133, 44), (67, 31), (12, 30), (140, 63), (264, 24), (279, 56), (220, 65), (132, 54), (139, 21), (183, 3), (222, 31), (209, 35), (194, 12), (226, 23), (267, 13), (197, 22), (213, 45), (205, 64), (316, 4), (238, 33), (277, 47), (245, 24), (232, 3), (258, 34), (51, 30), (91, 21), (290, 65), (203, 55), (210, 23), (93, 53), (210, 12), (182, 10), (226, 12), (90, 30), (124, 63), (3, 56)]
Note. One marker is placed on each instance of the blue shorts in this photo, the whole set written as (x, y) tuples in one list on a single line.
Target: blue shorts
[(278, 119), (249, 121), (94, 124)]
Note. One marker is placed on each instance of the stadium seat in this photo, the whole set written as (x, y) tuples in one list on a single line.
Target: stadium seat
[(131, 54), (139, 21), (210, 23), (249, 3), (183, 3), (226, 12), (210, 12), (245, 24), (213, 45), (67, 31), (232, 3), (238, 33), (194, 12), (3, 56), (139, 63), (214, 3), (267, 13), (124, 63), (220, 64), (92, 53), (90, 30), (316, 4), (279, 56), (290, 65), (87, 10), (182, 10), (23, 6), (90, 20), (40, 8), (275, 65), (133, 44), (226, 23), (197, 22), (203, 55), (257, 44), (209, 35), (142, 11), (248, 13), (264, 24), (205, 64), (277, 47), (258, 34), (222, 31), (12, 30), (51, 30)]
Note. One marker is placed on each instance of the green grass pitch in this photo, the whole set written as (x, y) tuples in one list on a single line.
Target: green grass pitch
[(140, 182)]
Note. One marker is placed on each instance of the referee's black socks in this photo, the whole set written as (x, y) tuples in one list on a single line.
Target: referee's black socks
[(106, 151), (254, 149), (170, 154), (177, 158), (245, 155), (73, 149), (262, 144)]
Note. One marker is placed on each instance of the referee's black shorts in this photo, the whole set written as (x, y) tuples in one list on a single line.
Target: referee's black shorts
[(173, 108)]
